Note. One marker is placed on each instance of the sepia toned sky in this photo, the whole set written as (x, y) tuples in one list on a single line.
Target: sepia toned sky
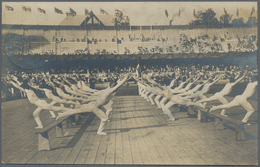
[(140, 13)]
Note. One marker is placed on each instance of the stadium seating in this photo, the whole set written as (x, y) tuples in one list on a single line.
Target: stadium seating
[(103, 41)]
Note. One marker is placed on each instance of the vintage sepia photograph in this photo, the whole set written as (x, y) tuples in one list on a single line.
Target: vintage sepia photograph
[(136, 83)]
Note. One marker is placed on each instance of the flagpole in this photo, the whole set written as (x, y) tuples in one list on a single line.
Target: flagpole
[(22, 14), (130, 28), (41, 40), (55, 44), (37, 17), (151, 31), (140, 29), (23, 52), (237, 16), (4, 16), (237, 22)]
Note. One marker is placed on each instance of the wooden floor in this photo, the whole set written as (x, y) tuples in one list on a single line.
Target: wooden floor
[(137, 134)]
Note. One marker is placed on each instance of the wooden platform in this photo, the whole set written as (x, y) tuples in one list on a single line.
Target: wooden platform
[(137, 134)]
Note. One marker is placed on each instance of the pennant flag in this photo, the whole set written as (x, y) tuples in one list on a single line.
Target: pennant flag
[(26, 9), (56, 10), (86, 11), (127, 19), (103, 11), (253, 11), (255, 15), (194, 14), (237, 12), (41, 10), (176, 14), (238, 38), (7, 7), (166, 13), (73, 12), (225, 11), (117, 11)]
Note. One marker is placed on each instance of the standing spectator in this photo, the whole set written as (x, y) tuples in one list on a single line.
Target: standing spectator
[(92, 82)]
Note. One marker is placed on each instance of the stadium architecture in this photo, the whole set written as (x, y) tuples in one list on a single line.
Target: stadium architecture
[(85, 37)]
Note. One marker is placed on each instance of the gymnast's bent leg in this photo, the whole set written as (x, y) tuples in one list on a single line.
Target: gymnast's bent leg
[(166, 110)]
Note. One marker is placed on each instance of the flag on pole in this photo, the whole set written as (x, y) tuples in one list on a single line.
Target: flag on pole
[(166, 13), (117, 11), (56, 10), (26, 9), (237, 12), (41, 10), (253, 11), (86, 11), (103, 11), (255, 15), (225, 11), (238, 38), (73, 12), (7, 7)]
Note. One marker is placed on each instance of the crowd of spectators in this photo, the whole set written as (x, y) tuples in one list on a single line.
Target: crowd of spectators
[(161, 73), (15, 44), (186, 44)]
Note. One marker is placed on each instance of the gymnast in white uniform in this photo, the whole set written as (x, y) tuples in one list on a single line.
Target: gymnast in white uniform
[(187, 87), (159, 92), (96, 103), (178, 88), (61, 92), (200, 94), (242, 100), (56, 99), (32, 97), (225, 91), (176, 99)]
